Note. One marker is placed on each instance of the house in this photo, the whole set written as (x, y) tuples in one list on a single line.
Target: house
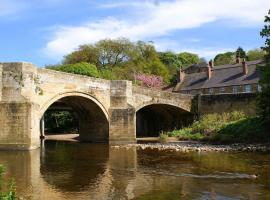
[(241, 77)]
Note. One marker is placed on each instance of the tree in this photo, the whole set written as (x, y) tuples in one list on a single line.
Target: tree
[(188, 59), (240, 52), (264, 98), (224, 58), (255, 54), (151, 81), (82, 68), (117, 59), (85, 53), (170, 60)]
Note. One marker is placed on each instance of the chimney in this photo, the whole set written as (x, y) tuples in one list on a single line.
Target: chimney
[(209, 69), (245, 67), (237, 60), (211, 63), (181, 76)]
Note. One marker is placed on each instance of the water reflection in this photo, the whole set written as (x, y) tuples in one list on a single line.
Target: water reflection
[(62, 170)]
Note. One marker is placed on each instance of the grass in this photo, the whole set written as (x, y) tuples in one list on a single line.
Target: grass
[(232, 127)]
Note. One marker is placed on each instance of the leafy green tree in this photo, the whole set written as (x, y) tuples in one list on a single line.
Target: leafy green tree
[(240, 52), (255, 54), (170, 60), (85, 53), (264, 98), (188, 59), (224, 58), (82, 68)]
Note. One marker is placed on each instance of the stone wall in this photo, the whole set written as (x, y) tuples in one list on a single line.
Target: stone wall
[(220, 103), (107, 109)]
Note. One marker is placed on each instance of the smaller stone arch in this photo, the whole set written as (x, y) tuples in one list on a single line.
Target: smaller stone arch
[(152, 118)]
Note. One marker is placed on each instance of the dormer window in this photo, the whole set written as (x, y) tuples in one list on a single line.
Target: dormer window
[(247, 88), (221, 90), (235, 89)]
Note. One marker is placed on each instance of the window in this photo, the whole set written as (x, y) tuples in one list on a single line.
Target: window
[(211, 90), (259, 88), (221, 90), (235, 89), (247, 88)]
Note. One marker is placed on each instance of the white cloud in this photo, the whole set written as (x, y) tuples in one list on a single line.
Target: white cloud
[(157, 20)]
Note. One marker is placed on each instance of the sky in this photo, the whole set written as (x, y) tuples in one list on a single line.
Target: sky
[(43, 31)]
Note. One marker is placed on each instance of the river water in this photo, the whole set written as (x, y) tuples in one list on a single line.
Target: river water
[(69, 170)]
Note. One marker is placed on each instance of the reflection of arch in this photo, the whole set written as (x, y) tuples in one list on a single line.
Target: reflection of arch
[(93, 120), (71, 166), (153, 118), (67, 94)]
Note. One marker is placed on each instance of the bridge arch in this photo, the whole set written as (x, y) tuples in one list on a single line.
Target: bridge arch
[(152, 118), (93, 118)]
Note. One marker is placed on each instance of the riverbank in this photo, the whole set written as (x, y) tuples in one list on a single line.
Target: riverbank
[(189, 146)]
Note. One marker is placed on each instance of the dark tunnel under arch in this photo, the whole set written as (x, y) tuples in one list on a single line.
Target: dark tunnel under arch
[(153, 119), (93, 125)]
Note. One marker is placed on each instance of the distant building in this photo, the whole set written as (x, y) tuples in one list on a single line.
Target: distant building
[(241, 77)]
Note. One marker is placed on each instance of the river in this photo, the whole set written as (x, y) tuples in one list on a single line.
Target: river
[(70, 170)]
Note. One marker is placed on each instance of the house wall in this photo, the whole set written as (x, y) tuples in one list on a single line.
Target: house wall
[(220, 103)]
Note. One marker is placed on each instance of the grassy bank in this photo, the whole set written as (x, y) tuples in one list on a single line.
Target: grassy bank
[(232, 127)]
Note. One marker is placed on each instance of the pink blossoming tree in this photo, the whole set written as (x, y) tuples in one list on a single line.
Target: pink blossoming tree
[(151, 81)]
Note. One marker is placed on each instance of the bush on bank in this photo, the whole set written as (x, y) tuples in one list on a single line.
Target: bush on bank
[(231, 127), (10, 194)]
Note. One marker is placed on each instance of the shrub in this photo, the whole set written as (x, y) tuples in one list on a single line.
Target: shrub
[(163, 138), (11, 193), (82, 68)]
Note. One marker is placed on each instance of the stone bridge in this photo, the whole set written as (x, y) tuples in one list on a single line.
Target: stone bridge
[(107, 110)]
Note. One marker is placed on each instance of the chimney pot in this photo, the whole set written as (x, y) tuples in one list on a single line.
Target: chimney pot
[(245, 67), (237, 60), (211, 63), (181, 76), (209, 72)]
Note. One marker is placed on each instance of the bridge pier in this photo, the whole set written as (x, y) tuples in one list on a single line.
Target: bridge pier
[(122, 125), (19, 129)]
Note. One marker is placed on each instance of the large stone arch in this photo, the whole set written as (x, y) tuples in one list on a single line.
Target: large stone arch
[(93, 117), (61, 95), (152, 118)]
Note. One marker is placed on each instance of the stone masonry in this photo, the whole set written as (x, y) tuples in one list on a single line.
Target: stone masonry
[(26, 92)]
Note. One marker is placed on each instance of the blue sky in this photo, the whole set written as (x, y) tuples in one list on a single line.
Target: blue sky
[(42, 32)]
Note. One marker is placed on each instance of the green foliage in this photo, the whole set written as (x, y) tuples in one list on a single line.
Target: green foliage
[(224, 58), (186, 134), (208, 126), (246, 130), (81, 68), (255, 54), (264, 97), (171, 61), (119, 59), (240, 52), (61, 121), (188, 59), (11, 193), (163, 138)]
